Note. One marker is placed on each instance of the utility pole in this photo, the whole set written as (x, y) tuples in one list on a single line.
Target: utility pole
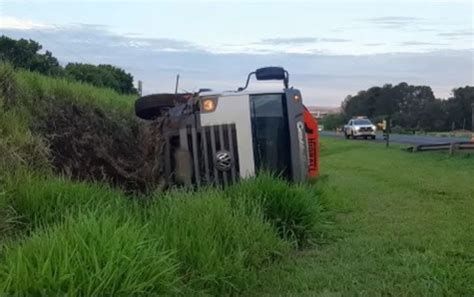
[(140, 88), (386, 130), (177, 84), (472, 123)]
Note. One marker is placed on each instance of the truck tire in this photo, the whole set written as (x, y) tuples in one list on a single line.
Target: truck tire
[(346, 135), (153, 106)]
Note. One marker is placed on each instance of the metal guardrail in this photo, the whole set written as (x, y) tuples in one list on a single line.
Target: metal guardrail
[(451, 147)]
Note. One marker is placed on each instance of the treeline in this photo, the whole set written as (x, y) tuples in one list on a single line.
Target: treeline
[(26, 54), (410, 108)]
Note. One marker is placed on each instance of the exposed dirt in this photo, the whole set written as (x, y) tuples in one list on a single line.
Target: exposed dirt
[(87, 143)]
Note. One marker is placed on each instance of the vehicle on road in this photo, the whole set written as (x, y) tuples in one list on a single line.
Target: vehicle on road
[(218, 137), (360, 127)]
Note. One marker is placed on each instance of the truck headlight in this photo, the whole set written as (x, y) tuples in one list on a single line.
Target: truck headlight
[(208, 104)]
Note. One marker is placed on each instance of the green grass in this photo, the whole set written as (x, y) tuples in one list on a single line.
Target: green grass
[(31, 89), (63, 237), (92, 254), (297, 212), (27, 99), (220, 245), (405, 224)]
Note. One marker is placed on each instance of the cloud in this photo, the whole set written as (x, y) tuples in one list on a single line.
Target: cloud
[(17, 24), (374, 44), (295, 40), (334, 40), (79, 41), (420, 43), (457, 34), (302, 41), (395, 21), (299, 40)]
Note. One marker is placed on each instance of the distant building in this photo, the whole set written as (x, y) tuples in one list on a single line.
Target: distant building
[(320, 112)]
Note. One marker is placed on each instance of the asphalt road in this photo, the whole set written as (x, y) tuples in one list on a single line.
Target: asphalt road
[(405, 139)]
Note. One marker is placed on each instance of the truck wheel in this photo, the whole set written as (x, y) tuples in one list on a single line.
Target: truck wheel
[(365, 137), (152, 106), (372, 137), (346, 135), (352, 135)]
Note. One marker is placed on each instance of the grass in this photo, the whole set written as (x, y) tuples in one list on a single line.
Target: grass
[(28, 98), (219, 245), (292, 209), (90, 254), (31, 89), (405, 224), (81, 239)]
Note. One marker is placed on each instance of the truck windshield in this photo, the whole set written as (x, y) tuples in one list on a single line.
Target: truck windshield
[(270, 132), (362, 122)]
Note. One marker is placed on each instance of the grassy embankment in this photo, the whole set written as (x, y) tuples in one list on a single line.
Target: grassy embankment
[(406, 227), (61, 236)]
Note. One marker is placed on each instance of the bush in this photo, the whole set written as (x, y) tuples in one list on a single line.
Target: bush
[(296, 211), (219, 245), (91, 254)]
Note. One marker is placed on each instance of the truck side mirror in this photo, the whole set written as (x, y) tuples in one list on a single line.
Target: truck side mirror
[(269, 73)]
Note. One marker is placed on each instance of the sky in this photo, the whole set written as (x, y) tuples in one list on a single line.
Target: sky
[(331, 48)]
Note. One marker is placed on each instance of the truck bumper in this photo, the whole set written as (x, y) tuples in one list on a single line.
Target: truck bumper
[(364, 133)]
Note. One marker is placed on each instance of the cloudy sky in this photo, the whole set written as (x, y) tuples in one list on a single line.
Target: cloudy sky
[(331, 48)]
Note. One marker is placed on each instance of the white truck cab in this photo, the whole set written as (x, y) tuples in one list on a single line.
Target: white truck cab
[(220, 137)]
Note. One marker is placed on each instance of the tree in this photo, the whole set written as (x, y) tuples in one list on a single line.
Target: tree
[(25, 54), (102, 76), (459, 107), (333, 121), (410, 107)]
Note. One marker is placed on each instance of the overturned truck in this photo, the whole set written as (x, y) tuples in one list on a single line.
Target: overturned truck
[(216, 138)]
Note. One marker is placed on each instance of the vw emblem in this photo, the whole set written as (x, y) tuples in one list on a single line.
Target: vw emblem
[(223, 160)]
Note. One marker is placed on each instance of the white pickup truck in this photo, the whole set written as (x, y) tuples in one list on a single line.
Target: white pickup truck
[(360, 127)]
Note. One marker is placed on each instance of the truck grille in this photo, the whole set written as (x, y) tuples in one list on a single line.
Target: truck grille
[(366, 129), (211, 140), (202, 146)]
